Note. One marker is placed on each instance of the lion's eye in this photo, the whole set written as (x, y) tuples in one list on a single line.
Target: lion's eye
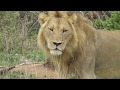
[(65, 31), (51, 29)]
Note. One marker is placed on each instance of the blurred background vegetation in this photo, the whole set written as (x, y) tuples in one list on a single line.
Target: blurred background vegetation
[(18, 34), (19, 29)]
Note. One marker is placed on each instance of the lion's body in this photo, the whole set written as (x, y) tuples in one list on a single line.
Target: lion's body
[(108, 54), (83, 51)]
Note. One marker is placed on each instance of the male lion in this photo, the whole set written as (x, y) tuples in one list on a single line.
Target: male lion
[(77, 48)]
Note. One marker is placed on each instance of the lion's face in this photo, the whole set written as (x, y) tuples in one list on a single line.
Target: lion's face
[(58, 33)]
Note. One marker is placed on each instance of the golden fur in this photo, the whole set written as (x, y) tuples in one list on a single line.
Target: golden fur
[(76, 48)]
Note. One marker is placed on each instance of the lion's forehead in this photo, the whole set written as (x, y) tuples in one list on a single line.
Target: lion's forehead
[(59, 23)]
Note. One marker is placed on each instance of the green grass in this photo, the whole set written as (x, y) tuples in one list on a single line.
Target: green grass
[(18, 39), (14, 58), (36, 55), (11, 52), (9, 59)]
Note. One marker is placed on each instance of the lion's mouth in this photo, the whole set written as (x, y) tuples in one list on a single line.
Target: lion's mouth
[(55, 52)]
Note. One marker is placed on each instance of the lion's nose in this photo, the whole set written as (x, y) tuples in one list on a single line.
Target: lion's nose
[(57, 44)]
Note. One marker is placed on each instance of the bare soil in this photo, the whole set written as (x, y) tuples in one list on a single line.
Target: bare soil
[(39, 70)]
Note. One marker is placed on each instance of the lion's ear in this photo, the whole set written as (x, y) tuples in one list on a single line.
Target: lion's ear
[(42, 18), (73, 18)]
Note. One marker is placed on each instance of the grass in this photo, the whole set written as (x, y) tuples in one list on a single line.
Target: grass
[(12, 49), (8, 59), (18, 75), (36, 55), (14, 58), (18, 40)]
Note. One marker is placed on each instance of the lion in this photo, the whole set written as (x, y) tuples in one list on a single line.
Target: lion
[(76, 48)]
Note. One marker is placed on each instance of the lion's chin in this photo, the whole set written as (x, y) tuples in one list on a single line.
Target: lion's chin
[(56, 52)]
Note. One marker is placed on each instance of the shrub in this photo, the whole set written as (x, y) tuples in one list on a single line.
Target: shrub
[(111, 23)]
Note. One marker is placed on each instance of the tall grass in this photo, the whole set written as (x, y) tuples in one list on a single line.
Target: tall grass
[(18, 38)]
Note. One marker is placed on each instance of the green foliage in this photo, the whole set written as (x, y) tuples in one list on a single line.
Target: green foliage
[(18, 37), (9, 59), (111, 23), (35, 55), (98, 23)]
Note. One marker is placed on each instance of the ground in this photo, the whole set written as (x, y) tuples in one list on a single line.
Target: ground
[(37, 69)]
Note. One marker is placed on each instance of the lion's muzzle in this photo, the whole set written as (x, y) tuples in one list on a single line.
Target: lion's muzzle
[(56, 52)]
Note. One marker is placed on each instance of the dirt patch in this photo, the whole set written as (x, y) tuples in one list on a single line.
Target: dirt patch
[(39, 70)]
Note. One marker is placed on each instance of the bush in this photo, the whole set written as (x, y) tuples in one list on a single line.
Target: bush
[(111, 23)]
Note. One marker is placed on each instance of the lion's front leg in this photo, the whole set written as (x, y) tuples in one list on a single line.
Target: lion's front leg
[(84, 68), (86, 75), (87, 62), (87, 69)]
